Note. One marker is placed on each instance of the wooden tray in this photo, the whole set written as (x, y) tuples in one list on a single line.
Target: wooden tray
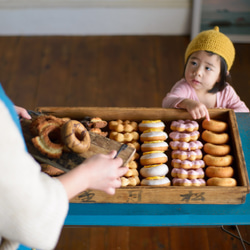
[(172, 194)]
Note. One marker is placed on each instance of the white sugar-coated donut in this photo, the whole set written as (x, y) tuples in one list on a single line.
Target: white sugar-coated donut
[(187, 174), (223, 172), (188, 183), (155, 181), (153, 135), (148, 124), (184, 125), (186, 164), (223, 182), (187, 155), (215, 138), (153, 157), (154, 170), (214, 125), (178, 145), (154, 146), (184, 136), (218, 150), (218, 161)]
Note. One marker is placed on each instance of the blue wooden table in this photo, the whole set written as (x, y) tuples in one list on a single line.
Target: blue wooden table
[(164, 214)]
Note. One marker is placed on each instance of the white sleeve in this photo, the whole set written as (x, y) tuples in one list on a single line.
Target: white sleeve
[(33, 206)]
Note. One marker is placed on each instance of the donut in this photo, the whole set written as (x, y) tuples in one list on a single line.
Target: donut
[(123, 126), (132, 165), (154, 146), (187, 155), (184, 136), (49, 141), (188, 183), (217, 150), (148, 124), (186, 164), (153, 135), (134, 144), (131, 172), (184, 126), (155, 181), (187, 174), (153, 157), (130, 181), (223, 172), (215, 138), (214, 125), (124, 137), (224, 182), (178, 145), (50, 170), (75, 136), (154, 170), (218, 161)]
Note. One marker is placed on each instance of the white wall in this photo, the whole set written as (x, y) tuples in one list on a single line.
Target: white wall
[(82, 17)]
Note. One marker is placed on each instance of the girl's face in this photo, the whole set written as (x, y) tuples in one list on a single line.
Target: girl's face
[(202, 70)]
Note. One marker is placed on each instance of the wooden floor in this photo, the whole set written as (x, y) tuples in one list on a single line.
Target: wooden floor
[(121, 71)]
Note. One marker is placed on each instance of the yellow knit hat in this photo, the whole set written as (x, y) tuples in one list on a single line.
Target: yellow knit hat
[(214, 41)]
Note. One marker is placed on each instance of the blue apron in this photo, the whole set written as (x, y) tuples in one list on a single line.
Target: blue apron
[(10, 106)]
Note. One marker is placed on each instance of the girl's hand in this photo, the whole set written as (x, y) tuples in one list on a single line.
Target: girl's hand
[(196, 109), (22, 112)]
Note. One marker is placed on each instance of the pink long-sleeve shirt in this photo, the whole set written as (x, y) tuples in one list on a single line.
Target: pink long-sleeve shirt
[(227, 98)]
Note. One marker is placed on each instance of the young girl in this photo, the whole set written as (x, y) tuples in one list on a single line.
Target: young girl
[(208, 59)]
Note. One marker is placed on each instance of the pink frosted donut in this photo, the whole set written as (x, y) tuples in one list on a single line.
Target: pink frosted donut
[(184, 126), (186, 164), (178, 145), (187, 174), (154, 170), (153, 157), (154, 146), (153, 135), (187, 155), (187, 182), (184, 136), (156, 181), (148, 124)]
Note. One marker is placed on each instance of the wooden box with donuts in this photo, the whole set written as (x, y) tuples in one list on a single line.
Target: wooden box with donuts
[(172, 159)]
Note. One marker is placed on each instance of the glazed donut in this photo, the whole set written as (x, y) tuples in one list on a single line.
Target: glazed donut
[(188, 183), (214, 125), (186, 164), (217, 150), (130, 181), (148, 124), (223, 172), (153, 135), (187, 174), (218, 161), (155, 181), (49, 141), (188, 146), (154, 146), (184, 126), (184, 137), (153, 157), (75, 136), (224, 182), (154, 170), (215, 138), (187, 155)]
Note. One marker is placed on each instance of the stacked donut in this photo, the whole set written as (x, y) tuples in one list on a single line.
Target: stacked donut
[(127, 132), (95, 125), (186, 154), (218, 158), (153, 156)]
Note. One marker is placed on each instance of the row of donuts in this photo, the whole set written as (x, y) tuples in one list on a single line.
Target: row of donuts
[(186, 154), (218, 158)]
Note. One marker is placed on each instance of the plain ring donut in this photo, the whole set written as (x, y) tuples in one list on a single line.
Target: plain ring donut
[(218, 161), (75, 136), (217, 150), (223, 182), (215, 138), (223, 172), (214, 125)]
